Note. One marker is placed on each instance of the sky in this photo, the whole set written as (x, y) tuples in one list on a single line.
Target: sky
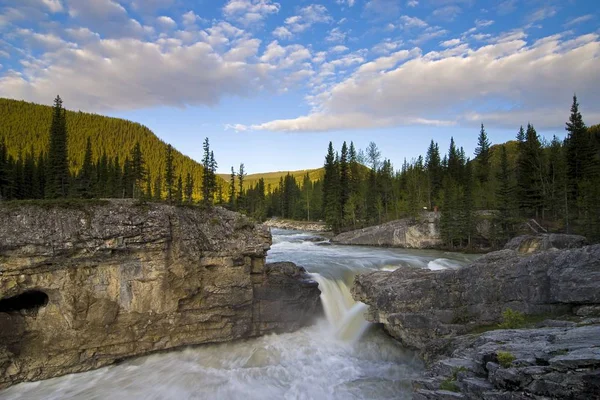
[(270, 83)]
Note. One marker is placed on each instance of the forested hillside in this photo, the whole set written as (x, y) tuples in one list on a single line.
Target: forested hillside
[(271, 179), (24, 127)]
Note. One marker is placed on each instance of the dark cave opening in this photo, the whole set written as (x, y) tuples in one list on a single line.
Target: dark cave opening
[(31, 300)]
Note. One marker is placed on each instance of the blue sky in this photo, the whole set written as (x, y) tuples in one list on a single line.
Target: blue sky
[(272, 82)]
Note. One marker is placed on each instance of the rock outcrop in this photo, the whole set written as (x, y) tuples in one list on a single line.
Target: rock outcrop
[(546, 363), (528, 244), (82, 286), (404, 233), (310, 226), (418, 306), (436, 313)]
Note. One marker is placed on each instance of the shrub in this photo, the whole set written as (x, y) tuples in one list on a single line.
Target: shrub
[(512, 319), (505, 359), (449, 385)]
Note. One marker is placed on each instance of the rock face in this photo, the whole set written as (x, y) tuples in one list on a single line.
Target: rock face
[(84, 286), (419, 306), (535, 243), (403, 233), (311, 226), (547, 363)]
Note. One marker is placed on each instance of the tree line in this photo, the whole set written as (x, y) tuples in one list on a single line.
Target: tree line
[(557, 183)]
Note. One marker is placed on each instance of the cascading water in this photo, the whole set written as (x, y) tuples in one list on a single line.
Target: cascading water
[(337, 358)]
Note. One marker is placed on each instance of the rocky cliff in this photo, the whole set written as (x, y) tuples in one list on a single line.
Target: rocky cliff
[(82, 286), (435, 312), (405, 233)]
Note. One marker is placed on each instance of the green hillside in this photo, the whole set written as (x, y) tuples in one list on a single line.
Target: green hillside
[(272, 178), (24, 126)]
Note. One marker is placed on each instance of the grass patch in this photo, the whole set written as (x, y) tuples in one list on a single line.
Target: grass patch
[(505, 358), (450, 385), (512, 319)]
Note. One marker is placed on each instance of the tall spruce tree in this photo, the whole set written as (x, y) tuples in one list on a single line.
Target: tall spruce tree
[(169, 174), (58, 163), (208, 181), (331, 190), (232, 189), (241, 199), (344, 180), (189, 188), (86, 173), (505, 197), (138, 170), (482, 155)]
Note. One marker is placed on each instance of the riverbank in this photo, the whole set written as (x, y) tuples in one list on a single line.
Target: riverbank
[(308, 226), (554, 293)]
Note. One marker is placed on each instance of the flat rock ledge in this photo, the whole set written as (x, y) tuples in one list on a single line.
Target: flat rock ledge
[(309, 226), (86, 284), (436, 312)]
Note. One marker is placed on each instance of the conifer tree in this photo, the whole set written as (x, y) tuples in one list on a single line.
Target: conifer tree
[(138, 170), (179, 191), (232, 189), (434, 173), (482, 154), (208, 174), (148, 192), (169, 174), (241, 178), (344, 180), (505, 196), (331, 190), (86, 173), (157, 192), (58, 163), (189, 188)]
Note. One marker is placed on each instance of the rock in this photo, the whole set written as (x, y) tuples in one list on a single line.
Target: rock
[(527, 244), (405, 233), (88, 284), (310, 226), (420, 307), (549, 363)]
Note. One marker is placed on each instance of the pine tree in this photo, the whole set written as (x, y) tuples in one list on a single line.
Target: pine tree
[(179, 191), (157, 192), (138, 170), (505, 196), (344, 180), (208, 180), (241, 178), (58, 163), (331, 190), (169, 174), (434, 174), (232, 189), (148, 192), (189, 188), (482, 155), (86, 173)]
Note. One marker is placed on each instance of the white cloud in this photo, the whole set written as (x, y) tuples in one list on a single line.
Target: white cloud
[(427, 89), (412, 3), (190, 18), (166, 22), (542, 14), (387, 46), (412, 22), (336, 35), (54, 6), (579, 20), (450, 43), (447, 13), (307, 17), (382, 8), (482, 23), (338, 49), (248, 12), (282, 32), (107, 18), (349, 3)]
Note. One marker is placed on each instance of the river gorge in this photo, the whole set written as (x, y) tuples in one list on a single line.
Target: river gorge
[(341, 356)]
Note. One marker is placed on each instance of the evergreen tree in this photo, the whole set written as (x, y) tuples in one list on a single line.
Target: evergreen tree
[(86, 173), (179, 191), (138, 170), (434, 174), (232, 189), (58, 163), (482, 155), (157, 192), (505, 196), (189, 188), (241, 178), (331, 191), (169, 174), (344, 180), (208, 174), (148, 195)]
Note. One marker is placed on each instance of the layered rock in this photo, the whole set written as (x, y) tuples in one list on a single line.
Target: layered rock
[(435, 312), (310, 226), (82, 286), (528, 244), (418, 306), (405, 233)]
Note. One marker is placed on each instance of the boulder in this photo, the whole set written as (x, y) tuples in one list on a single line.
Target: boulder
[(83, 285), (419, 306), (528, 244), (405, 233)]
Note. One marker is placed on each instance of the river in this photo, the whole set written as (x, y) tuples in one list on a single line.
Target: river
[(340, 357)]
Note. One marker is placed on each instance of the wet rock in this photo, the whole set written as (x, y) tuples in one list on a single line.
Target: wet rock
[(103, 281)]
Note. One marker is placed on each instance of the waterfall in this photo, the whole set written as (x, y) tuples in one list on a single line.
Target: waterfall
[(345, 315)]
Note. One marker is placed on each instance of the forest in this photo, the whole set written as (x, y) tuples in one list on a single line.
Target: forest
[(78, 155)]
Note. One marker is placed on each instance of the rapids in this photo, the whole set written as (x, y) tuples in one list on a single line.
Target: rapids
[(340, 357)]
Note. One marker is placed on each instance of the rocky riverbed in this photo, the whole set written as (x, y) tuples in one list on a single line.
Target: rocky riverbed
[(85, 285), (437, 313)]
